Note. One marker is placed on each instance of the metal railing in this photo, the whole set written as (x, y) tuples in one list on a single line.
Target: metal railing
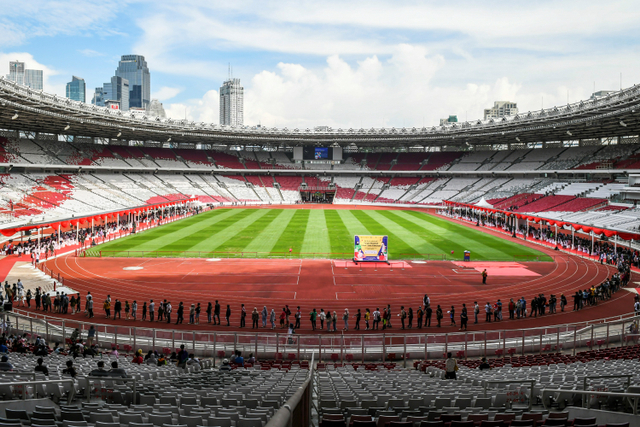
[(296, 412), (25, 384), (599, 333), (632, 398), (531, 382), (112, 380)]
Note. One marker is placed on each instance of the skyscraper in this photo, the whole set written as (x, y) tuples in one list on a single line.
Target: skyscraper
[(156, 109), (501, 109), (34, 79), (76, 89), (134, 69), (118, 90), (16, 72), (22, 76), (232, 103), (98, 97)]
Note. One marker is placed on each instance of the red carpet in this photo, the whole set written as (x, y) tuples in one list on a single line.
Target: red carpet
[(7, 263)]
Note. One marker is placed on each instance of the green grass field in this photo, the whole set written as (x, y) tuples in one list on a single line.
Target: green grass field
[(314, 233)]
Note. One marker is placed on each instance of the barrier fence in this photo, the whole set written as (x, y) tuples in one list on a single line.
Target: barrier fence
[(296, 412), (97, 253), (337, 347)]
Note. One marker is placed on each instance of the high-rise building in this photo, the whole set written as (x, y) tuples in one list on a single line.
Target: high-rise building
[(134, 69), (98, 97), (22, 76), (34, 79), (156, 109), (76, 89), (232, 103), (16, 72), (451, 119), (501, 109), (118, 90)]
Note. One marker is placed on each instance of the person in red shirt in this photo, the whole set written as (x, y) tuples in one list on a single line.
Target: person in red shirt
[(138, 358)]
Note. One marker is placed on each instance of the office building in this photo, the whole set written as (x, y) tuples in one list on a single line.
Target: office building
[(23, 76), (118, 90), (156, 109), (98, 97), (134, 69), (232, 103), (501, 109), (451, 119), (76, 89), (16, 72)]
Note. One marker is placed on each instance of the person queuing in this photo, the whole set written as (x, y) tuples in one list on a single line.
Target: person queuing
[(516, 308)]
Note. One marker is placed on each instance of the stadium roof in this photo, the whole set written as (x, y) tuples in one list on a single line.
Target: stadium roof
[(614, 115)]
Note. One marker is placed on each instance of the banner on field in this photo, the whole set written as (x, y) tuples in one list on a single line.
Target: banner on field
[(370, 248)]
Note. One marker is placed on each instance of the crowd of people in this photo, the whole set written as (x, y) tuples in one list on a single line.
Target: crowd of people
[(79, 347), (425, 314), (47, 245)]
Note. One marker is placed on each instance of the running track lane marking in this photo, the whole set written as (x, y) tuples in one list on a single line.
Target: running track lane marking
[(567, 261)]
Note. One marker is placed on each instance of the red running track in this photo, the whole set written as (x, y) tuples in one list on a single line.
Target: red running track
[(321, 284)]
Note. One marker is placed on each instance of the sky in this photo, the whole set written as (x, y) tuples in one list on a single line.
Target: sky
[(344, 64)]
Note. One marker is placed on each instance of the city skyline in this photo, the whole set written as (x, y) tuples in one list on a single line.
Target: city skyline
[(370, 65)]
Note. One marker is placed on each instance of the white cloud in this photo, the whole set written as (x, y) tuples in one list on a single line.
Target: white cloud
[(165, 93), (21, 21), (205, 109), (90, 53), (32, 64)]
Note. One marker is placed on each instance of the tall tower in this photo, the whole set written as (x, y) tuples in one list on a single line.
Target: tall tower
[(22, 76), (76, 89), (134, 69), (232, 103), (16, 72)]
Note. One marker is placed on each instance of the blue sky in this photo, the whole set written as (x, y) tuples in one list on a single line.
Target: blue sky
[(339, 63)]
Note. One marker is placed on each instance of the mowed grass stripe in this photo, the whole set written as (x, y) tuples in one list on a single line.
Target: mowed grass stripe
[(316, 236), (352, 224), (193, 237), (212, 242), (267, 239), (340, 239), (439, 241), (404, 230), (250, 233), (485, 248), (293, 235), (502, 249), (155, 238), (398, 248)]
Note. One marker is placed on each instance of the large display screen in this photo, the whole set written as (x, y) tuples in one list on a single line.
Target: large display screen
[(318, 153), (321, 153), (370, 248)]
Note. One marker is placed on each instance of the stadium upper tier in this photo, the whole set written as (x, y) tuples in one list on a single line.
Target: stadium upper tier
[(612, 115), (57, 179)]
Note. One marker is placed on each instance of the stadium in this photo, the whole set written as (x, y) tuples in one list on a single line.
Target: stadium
[(534, 207)]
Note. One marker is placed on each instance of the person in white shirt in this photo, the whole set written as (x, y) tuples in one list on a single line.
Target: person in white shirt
[(376, 318)]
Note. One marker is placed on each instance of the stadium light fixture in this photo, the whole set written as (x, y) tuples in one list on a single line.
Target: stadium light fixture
[(67, 127), (569, 133), (623, 123), (119, 134), (169, 140), (15, 116), (517, 139)]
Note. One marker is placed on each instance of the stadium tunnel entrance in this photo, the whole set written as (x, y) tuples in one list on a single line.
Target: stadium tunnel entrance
[(317, 194)]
